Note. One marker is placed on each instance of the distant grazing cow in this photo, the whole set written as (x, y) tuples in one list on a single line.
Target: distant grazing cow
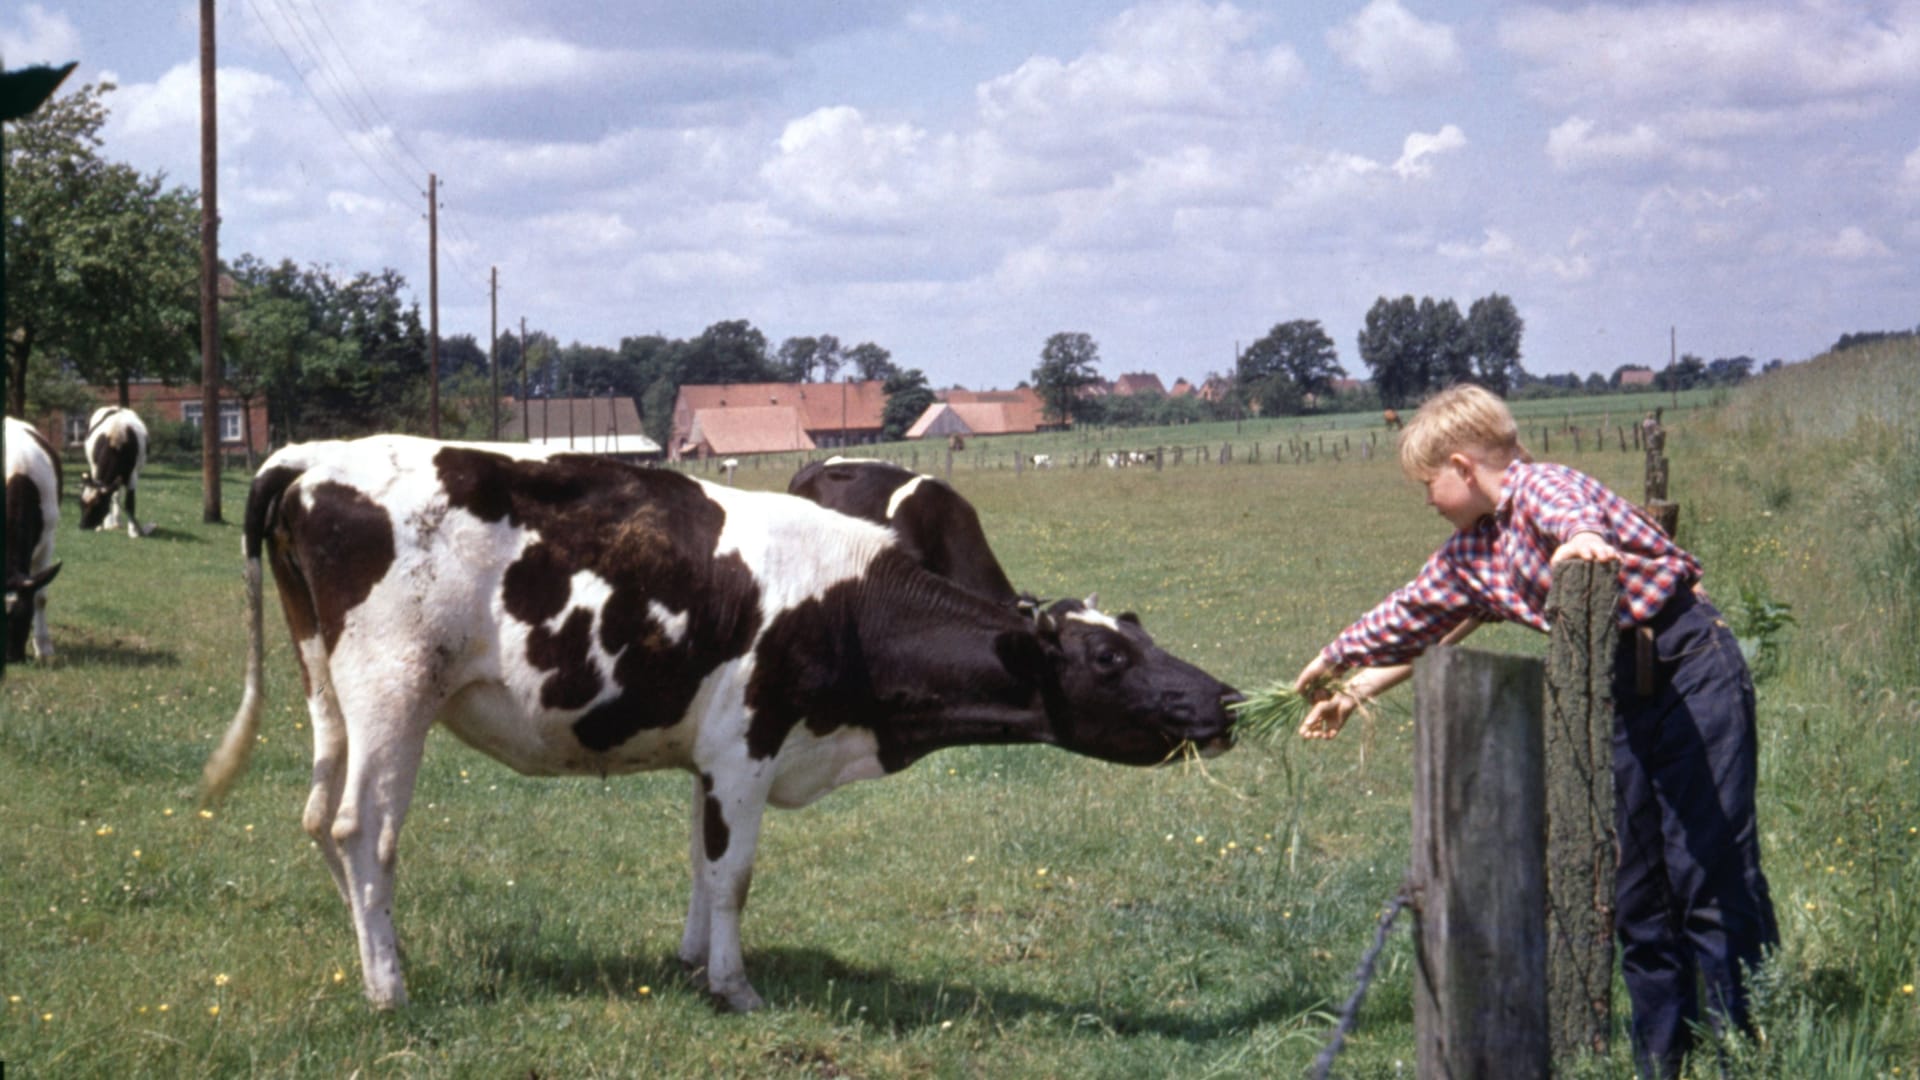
[(935, 523), (33, 509), (116, 452), (1390, 418), (572, 615), (1042, 461)]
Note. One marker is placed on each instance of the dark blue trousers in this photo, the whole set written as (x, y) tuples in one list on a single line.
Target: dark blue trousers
[(1691, 904)]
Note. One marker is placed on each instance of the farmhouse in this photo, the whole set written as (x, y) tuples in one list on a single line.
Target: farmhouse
[(1635, 377), (981, 412), (609, 425), (765, 418)]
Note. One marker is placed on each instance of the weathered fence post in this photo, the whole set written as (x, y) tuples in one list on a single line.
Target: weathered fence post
[(1666, 514), (1579, 774), (1478, 878)]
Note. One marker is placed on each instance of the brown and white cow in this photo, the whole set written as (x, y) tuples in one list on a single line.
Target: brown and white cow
[(570, 615), (116, 452), (936, 523), (33, 510)]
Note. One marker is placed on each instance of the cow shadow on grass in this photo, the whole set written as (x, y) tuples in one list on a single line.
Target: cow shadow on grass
[(91, 652), (875, 997)]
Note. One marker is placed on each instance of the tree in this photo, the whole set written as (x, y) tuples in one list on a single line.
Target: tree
[(871, 361), (799, 357), (101, 261), (1068, 363), (1446, 352), (908, 395), (1494, 328), (728, 352), (1690, 372), (1391, 348), (1295, 359), (1730, 370)]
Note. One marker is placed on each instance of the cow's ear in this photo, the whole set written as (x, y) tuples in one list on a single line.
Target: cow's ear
[(1128, 617), (1022, 655)]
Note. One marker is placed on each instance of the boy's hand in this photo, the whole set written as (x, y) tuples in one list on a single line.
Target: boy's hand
[(1326, 718), (1587, 546), (1330, 710)]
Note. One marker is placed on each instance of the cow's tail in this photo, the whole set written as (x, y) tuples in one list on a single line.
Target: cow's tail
[(237, 746)]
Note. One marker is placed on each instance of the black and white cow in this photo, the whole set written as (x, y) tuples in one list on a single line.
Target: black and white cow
[(116, 452), (571, 615), (33, 509), (937, 524)]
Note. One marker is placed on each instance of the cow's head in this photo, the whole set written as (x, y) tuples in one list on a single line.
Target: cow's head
[(1112, 694), (95, 501), (21, 589)]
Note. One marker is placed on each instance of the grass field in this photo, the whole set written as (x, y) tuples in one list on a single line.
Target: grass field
[(991, 912)]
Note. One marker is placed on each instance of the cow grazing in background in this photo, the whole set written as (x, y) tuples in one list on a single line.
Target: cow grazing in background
[(33, 509), (1042, 461), (116, 452), (1391, 418), (572, 615), (938, 526)]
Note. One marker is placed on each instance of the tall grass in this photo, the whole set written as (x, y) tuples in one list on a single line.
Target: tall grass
[(992, 911)]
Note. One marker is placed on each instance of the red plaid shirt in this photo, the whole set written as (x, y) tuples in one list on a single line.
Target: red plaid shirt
[(1499, 569)]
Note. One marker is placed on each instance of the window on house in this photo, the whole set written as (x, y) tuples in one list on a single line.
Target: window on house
[(76, 428), (191, 412)]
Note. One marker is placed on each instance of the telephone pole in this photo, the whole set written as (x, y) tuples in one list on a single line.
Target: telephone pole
[(433, 301), (493, 346), (209, 278)]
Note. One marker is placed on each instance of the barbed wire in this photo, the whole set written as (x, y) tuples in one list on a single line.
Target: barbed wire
[(1363, 978)]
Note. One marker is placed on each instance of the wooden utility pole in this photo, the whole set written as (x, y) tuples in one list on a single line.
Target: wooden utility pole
[(209, 277), (433, 301), (493, 346), (1673, 371), (526, 417)]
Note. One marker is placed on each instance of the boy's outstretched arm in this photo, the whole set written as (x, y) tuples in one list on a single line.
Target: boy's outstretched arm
[(1331, 712)]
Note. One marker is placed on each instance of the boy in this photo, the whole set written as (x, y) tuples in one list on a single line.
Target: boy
[(1690, 899)]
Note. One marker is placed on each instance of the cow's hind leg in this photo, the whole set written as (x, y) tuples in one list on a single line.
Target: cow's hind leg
[(133, 521), (726, 833), (384, 743), (329, 766)]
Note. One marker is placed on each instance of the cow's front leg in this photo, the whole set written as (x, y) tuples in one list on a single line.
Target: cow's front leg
[(726, 833), (133, 522)]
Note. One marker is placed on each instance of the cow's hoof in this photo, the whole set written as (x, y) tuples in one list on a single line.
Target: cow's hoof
[(741, 1000)]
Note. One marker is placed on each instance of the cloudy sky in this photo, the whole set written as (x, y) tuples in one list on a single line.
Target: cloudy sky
[(957, 181)]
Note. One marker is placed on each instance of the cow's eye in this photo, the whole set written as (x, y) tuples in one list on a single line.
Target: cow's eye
[(1107, 656)]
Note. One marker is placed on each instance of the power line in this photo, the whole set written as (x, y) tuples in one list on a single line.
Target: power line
[(347, 58), (304, 41), (327, 115)]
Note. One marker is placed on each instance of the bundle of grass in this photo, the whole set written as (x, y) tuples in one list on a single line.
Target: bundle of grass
[(1276, 712)]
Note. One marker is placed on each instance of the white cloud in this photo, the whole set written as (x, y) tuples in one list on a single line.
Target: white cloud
[(1910, 172), (42, 37), (1502, 252), (1157, 68), (1577, 144), (1850, 244), (1415, 158), (833, 163), (1715, 53), (1395, 49)]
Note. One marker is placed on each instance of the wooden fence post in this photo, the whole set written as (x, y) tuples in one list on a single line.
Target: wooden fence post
[(1479, 845), (1581, 856)]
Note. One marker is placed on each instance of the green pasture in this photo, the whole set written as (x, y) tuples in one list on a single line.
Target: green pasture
[(993, 912)]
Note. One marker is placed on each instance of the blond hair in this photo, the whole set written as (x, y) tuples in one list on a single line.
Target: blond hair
[(1462, 419)]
